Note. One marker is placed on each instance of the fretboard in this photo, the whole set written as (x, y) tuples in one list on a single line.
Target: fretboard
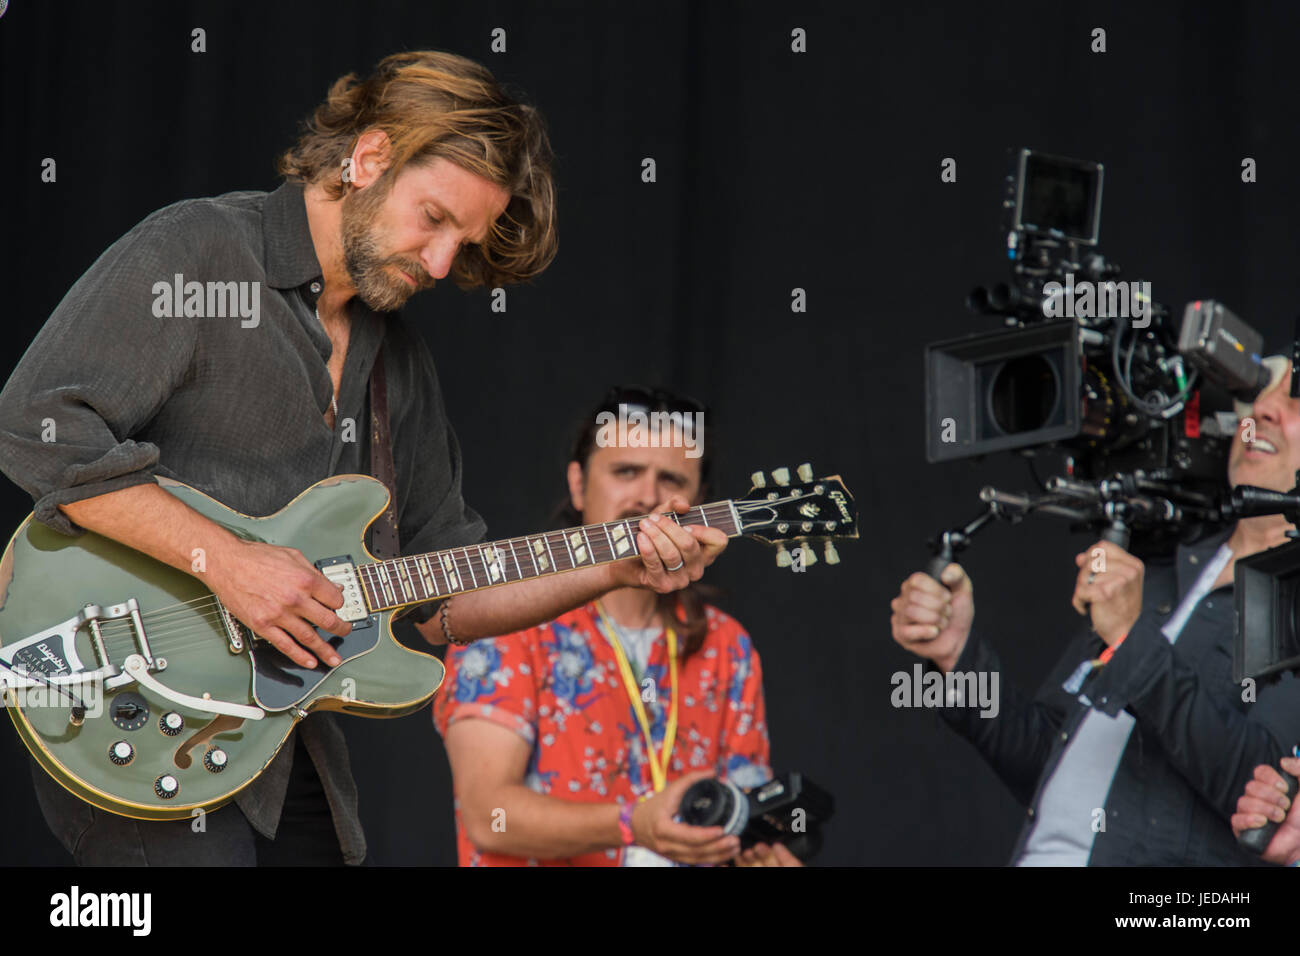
[(418, 578)]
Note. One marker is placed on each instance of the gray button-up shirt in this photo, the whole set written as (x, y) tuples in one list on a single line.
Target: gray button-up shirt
[(135, 387)]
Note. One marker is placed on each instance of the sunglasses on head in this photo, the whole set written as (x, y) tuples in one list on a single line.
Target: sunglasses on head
[(651, 399)]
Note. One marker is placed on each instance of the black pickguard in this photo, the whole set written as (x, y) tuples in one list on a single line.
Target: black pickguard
[(278, 682)]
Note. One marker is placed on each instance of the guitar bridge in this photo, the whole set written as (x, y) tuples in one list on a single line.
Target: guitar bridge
[(236, 634)]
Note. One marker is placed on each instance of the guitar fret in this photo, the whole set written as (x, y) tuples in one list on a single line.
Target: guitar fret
[(431, 561), (572, 563), (385, 585), (546, 540), (422, 565), (518, 570), (622, 545), (492, 564), (577, 550), (704, 517), (417, 581), (395, 576), (368, 586), (404, 576), (451, 573), (590, 553), (535, 551), (473, 578), (610, 541)]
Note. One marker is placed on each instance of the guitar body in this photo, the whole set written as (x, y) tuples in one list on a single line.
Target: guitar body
[(47, 578)]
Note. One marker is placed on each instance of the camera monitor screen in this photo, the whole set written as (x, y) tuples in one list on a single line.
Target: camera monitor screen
[(1059, 196)]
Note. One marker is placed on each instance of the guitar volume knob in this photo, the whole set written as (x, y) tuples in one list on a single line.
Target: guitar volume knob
[(171, 723), (166, 786), (121, 753), (215, 760)]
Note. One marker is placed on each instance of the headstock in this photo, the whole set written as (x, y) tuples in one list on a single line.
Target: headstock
[(807, 510)]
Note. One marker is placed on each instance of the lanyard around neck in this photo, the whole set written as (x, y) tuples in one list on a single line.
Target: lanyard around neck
[(658, 765)]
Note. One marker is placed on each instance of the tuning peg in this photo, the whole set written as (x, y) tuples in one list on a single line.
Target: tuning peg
[(832, 556), (758, 480), (805, 473), (783, 559), (809, 555), (781, 476)]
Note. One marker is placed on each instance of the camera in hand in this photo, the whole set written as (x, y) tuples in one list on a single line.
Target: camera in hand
[(788, 809)]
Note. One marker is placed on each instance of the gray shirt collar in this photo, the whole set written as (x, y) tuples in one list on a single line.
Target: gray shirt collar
[(288, 251)]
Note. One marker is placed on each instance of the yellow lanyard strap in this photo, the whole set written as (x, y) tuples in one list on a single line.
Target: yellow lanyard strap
[(658, 765)]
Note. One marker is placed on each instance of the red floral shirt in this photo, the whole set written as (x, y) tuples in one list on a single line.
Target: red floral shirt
[(558, 686)]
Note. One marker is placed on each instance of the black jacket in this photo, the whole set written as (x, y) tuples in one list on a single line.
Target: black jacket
[(1195, 743)]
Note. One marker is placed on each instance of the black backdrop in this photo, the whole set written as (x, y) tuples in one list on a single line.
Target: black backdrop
[(776, 170)]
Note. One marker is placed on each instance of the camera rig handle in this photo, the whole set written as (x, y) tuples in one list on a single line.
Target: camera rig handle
[(1120, 504), (950, 543), (1257, 840)]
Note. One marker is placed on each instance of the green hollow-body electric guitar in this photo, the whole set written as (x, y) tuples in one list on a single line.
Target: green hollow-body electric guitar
[(134, 687)]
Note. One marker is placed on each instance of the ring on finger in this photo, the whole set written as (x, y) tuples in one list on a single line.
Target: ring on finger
[(678, 567)]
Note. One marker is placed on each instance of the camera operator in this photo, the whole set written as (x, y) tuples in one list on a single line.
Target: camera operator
[(1136, 747)]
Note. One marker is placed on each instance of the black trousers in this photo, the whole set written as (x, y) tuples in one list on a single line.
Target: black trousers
[(94, 837)]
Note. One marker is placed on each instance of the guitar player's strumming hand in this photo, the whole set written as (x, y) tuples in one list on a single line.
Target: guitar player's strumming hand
[(279, 595), (933, 620), (275, 591)]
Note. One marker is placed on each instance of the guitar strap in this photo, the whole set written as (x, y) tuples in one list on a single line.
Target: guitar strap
[(383, 540)]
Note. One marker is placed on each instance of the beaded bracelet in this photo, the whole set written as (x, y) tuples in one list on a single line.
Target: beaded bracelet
[(446, 627)]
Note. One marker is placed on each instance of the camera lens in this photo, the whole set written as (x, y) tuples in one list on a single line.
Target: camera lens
[(1023, 394), (715, 803)]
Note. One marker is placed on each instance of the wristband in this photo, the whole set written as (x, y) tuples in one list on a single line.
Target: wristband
[(1109, 652), (625, 824)]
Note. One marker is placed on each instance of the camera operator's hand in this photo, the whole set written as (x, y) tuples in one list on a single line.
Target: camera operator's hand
[(1265, 799), (760, 854), (1109, 586), (653, 827), (933, 621)]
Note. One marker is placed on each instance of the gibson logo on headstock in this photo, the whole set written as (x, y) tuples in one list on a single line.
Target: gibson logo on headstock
[(838, 498)]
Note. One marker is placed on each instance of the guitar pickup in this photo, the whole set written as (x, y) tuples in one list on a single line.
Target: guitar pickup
[(343, 572)]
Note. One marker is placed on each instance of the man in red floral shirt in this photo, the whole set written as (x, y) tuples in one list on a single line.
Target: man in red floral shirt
[(571, 743)]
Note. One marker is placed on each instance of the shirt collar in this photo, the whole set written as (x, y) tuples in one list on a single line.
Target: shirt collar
[(288, 253)]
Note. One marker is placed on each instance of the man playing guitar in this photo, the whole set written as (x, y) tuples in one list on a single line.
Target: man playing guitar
[(424, 169)]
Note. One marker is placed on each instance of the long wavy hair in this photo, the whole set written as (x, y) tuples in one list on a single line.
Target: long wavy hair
[(687, 606), (432, 104)]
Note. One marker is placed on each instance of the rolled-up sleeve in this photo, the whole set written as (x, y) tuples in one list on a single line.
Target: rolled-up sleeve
[(96, 373)]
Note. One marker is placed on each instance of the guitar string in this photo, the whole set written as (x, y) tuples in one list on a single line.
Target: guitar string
[(716, 507), (182, 636), (188, 629), (187, 606)]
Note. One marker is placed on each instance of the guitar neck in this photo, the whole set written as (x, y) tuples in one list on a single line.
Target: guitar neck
[(417, 579)]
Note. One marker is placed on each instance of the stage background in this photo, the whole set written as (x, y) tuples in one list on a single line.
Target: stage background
[(776, 170)]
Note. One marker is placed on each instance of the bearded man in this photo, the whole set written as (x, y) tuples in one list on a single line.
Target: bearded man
[(237, 344)]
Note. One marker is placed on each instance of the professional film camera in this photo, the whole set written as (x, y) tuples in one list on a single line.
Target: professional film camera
[(1089, 367), (1092, 368)]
